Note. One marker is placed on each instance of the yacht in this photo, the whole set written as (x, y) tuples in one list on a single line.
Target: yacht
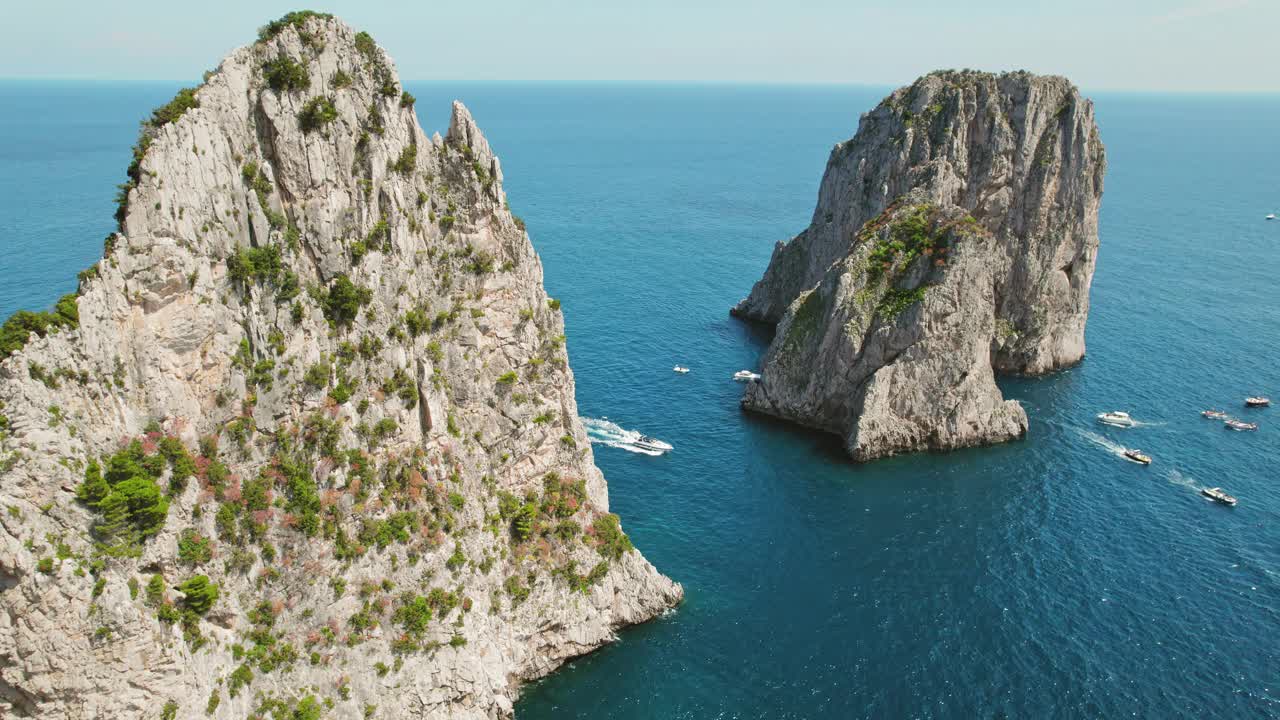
[(1233, 424), (1217, 495), (1137, 456), (1214, 414), (1257, 401), (746, 376), (644, 442), (1116, 418), (680, 369)]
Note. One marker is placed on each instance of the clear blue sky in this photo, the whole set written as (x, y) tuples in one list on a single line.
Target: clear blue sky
[(1189, 45)]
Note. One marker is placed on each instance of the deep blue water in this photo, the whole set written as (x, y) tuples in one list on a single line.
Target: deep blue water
[(1047, 578)]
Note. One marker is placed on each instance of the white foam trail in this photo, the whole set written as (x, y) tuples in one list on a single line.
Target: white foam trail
[(1102, 442), (1178, 478), (604, 432)]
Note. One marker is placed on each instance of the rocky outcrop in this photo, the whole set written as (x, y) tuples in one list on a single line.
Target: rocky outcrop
[(955, 237), (306, 437)]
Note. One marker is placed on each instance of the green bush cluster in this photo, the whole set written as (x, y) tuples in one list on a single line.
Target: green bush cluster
[(896, 300), (343, 299), (283, 73), (296, 19), (18, 328), (199, 594), (127, 498), (610, 541), (407, 161), (318, 112), (910, 235)]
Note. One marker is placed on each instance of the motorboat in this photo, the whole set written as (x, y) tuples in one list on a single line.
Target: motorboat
[(644, 442), (1242, 426), (1137, 456), (746, 376), (1218, 495), (1116, 418), (1214, 414), (1257, 401), (680, 369), (1271, 216)]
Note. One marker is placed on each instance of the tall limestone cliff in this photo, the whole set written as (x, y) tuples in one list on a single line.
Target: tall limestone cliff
[(954, 238), (305, 441)]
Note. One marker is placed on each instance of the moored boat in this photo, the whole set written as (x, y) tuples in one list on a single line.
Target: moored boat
[(1214, 414), (1257, 401), (1218, 495), (1116, 418), (1240, 425), (1137, 456), (746, 376)]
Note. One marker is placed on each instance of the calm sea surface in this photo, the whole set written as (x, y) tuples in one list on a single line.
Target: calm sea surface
[(1047, 578)]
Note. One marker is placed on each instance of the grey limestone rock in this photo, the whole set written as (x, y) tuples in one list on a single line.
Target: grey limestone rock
[(955, 237), (343, 327)]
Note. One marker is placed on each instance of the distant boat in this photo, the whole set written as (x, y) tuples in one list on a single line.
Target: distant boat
[(1272, 216), (1257, 401), (1116, 418), (1217, 495), (1137, 456), (1214, 414), (746, 376), (1233, 424), (680, 369)]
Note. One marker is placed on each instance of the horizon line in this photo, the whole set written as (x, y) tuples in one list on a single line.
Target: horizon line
[(642, 82)]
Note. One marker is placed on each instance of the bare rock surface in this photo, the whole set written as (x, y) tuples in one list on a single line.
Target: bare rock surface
[(955, 237), (317, 367)]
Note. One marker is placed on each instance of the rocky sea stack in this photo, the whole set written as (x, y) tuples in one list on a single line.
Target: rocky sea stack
[(955, 238), (305, 440)]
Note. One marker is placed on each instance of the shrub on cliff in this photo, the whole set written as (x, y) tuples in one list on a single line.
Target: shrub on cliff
[(18, 328), (343, 300), (200, 594), (318, 112), (285, 74), (130, 504), (296, 18)]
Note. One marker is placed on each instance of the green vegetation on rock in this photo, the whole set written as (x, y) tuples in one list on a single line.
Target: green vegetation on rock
[(18, 328)]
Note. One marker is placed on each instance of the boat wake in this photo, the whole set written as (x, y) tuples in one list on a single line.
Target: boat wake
[(1178, 478), (603, 432), (1111, 447)]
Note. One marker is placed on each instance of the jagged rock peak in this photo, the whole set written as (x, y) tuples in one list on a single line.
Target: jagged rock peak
[(306, 436), (1019, 157)]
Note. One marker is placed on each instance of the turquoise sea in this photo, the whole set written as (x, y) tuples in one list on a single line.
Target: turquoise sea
[(1047, 578)]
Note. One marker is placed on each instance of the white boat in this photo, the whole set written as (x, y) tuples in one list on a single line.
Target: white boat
[(680, 369), (1271, 216), (1215, 414), (746, 376), (1219, 495), (1137, 456), (1116, 418), (645, 442), (1239, 425), (1257, 401)]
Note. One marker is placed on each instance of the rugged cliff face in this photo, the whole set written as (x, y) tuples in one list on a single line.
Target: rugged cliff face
[(955, 236), (306, 438)]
